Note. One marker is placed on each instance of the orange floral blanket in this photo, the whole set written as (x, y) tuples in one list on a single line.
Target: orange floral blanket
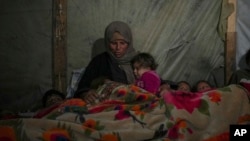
[(132, 114)]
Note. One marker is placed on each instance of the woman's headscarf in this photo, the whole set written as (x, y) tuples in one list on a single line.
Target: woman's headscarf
[(124, 61)]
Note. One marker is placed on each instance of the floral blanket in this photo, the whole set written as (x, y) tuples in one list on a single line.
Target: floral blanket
[(131, 114)]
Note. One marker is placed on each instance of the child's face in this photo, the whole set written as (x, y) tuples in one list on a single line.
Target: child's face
[(139, 70), (53, 99), (184, 87), (203, 86)]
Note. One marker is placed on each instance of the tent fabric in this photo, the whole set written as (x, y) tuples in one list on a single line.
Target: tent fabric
[(25, 53), (185, 37), (242, 33), (182, 35)]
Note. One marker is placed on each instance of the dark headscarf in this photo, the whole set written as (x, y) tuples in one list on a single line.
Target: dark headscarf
[(124, 61)]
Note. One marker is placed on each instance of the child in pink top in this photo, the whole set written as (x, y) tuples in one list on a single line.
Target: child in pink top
[(144, 67)]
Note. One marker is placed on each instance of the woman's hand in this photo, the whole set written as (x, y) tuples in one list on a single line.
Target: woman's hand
[(90, 97)]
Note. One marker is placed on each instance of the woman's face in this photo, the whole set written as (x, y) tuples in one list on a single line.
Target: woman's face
[(118, 46)]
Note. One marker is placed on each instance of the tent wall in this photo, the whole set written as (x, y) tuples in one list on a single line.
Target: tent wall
[(243, 33), (25, 52), (183, 36)]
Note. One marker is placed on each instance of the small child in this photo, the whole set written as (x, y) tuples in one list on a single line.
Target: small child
[(202, 86), (184, 86), (52, 97), (144, 67)]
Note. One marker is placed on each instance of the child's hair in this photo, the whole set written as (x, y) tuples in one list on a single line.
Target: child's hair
[(145, 60), (50, 93), (185, 82)]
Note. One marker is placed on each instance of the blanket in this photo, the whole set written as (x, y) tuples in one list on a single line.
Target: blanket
[(132, 114)]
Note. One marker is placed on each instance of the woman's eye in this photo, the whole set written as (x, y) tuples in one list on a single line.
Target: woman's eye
[(123, 43)]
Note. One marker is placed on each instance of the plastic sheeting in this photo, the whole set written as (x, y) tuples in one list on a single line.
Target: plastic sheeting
[(182, 35), (25, 53), (242, 32)]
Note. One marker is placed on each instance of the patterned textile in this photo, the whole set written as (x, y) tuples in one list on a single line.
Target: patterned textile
[(132, 114)]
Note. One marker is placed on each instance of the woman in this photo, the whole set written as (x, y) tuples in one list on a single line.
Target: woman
[(114, 64)]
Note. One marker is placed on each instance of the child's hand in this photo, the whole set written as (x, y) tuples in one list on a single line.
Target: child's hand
[(164, 88)]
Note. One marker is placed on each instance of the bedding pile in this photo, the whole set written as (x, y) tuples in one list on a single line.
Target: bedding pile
[(129, 113)]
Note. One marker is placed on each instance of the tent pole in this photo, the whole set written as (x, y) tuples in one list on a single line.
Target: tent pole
[(59, 45), (230, 48)]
